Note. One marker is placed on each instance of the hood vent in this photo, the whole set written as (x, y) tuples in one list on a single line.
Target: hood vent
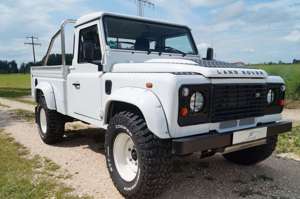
[(172, 61), (215, 64), (200, 62)]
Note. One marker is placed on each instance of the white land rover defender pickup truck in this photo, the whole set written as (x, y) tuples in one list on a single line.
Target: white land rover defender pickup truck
[(144, 81)]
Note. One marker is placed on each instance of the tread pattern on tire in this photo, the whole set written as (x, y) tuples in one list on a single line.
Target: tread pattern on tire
[(55, 124), (155, 157), (253, 155)]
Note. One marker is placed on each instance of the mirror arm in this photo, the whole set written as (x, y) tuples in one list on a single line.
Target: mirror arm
[(100, 67)]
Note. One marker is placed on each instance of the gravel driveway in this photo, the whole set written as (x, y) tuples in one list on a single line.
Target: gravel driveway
[(82, 155)]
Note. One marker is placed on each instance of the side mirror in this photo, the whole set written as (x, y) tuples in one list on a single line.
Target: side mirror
[(88, 51), (210, 54)]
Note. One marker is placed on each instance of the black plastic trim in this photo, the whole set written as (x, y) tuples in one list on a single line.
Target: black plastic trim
[(208, 114), (214, 140), (237, 101), (195, 118), (35, 114), (274, 108), (108, 87)]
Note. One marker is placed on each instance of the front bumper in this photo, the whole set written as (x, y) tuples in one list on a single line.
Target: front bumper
[(217, 141)]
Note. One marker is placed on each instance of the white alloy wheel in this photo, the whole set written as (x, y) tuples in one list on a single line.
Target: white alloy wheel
[(125, 157), (43, 121)]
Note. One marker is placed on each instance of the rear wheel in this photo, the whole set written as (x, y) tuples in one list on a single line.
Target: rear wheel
[(50, 123), (139, 163), (253, 155)]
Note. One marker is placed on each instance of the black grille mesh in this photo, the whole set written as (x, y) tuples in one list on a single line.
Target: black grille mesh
[(238, 101)]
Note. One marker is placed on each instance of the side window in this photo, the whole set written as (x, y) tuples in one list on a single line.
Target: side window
[(89, 45)]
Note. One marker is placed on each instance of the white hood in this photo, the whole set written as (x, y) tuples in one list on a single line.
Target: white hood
[(182, 65)]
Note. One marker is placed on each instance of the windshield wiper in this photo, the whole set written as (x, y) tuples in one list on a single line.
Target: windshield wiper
[(174, 50)]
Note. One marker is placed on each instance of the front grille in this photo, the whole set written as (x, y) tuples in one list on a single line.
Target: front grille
[(237, 101)]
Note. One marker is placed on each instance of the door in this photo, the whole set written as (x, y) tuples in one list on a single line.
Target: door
[(84, 80)]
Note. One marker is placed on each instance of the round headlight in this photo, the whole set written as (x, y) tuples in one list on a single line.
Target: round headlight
[(270, 96), (197, 102)]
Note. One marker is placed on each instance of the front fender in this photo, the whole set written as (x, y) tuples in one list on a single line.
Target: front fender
[(48, 93), (149, 105)]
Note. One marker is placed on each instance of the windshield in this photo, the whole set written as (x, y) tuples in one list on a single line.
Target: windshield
[(131, 34)]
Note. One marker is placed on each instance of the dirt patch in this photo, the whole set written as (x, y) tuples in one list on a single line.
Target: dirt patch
[(292, 114)]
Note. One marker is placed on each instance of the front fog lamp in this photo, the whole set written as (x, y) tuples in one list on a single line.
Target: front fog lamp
[(197, 102), (270, 96)]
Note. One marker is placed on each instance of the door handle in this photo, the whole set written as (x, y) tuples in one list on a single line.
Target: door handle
[(77, 85)]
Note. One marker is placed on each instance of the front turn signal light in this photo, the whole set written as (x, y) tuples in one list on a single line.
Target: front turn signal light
[(149, 85), (280, 102), (183, 112)]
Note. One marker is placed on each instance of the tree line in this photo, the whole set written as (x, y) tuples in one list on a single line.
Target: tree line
[(7, 67)]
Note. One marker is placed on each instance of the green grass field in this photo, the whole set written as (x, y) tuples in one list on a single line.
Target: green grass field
[(22, 176), (289, 142), (15, 81), (290, 73), (15, 86)]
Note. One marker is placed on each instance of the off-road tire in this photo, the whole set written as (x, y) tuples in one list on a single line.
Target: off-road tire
[(253, 155), (55, 123), (154, 157)]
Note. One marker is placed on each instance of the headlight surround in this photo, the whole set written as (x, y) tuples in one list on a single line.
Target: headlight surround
[(275, 98), (196, 102), (270, 96)]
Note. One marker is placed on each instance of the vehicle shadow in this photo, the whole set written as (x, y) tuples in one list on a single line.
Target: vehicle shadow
[(91, 138), (213, 177)]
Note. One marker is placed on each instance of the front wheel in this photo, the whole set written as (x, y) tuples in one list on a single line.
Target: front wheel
[(139, 163), (253, 155)]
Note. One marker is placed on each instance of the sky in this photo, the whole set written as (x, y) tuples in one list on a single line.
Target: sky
[(251, 31)]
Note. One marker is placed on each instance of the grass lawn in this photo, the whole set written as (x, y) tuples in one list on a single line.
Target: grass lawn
[(15, 86), (19, 114), (22, 176), (15, 81), (289, 142)]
